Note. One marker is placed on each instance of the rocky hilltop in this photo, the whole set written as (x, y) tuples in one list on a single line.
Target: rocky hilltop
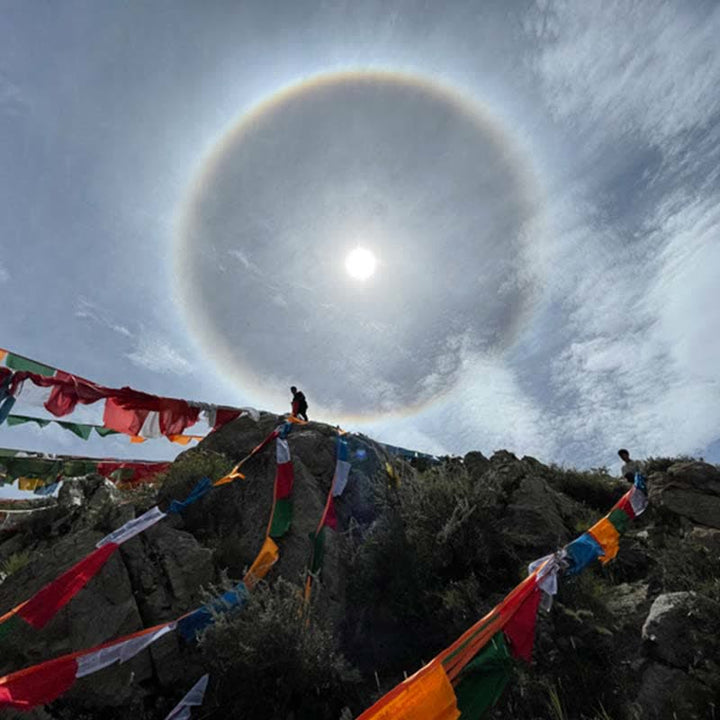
[(422, 550)]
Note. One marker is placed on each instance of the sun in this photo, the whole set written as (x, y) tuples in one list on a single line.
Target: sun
[(360, 263)]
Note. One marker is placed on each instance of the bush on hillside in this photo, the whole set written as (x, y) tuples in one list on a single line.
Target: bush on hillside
[(271, 659), (595, 488), (661, 464), (189, 468), (428, 568)]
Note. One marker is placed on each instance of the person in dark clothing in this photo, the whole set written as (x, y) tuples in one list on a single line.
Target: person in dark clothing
[(299, 403), (630, 467)]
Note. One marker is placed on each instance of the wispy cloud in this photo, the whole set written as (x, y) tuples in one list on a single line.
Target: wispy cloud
[(90, 311), (644, 67), (156, 354), (4, 274)]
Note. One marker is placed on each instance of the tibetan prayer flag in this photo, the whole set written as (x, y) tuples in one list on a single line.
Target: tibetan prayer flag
[(16, 362), (608, 537), (520, 629), (82, 431), (133, 527), (285, 478), (427, 695), (625, 505), (117, 417), (191, 624), (638, 501), (581, 552), (43, 606), (38, 685), (202, 488), (620, 520), (194, 698), (266, 558), (120, 652), (281, 518), (484, 678), (13, 420)]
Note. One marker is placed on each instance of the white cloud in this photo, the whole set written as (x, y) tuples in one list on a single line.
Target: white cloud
[(4, 274), (643, 67), (155, 354), (90, 311)]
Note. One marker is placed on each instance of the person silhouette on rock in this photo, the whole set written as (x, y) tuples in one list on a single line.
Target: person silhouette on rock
[(299, 404)]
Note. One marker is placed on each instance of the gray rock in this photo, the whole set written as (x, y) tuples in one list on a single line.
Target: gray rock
[(667, 693), (682, 628), (690, 490)]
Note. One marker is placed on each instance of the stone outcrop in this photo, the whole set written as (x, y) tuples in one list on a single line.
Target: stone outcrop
[(690, 490)]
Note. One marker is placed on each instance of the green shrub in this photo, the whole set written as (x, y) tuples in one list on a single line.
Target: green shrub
[(595, 488), (190, 467), (661, 464), (271, 659), (16, 561)]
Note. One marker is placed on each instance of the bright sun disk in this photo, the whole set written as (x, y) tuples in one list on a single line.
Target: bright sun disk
[(360, 263)]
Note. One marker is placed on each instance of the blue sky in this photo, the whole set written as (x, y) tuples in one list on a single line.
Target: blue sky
[(609, 112)]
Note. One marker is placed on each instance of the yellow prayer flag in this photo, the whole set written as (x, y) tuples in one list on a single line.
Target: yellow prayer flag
[(234, 474), (266, 558), (3, 354), (608, 537), (30, 484), (427, 695)]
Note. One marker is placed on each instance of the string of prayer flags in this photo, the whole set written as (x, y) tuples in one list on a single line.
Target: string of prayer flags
[(84, 430), (328, 519), (45, 604), (281, 517), (41, 684), (128, 411), (581, 552), (194, 698)]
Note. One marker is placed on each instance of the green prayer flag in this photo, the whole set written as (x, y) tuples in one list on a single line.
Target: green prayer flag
[(282, 518), (15, 362), (619, 518), (75, 468), (104, 432), (22, 419), (318, 550), (82, 431), (483, 679)]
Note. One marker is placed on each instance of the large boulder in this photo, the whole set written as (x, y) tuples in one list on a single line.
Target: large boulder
[(682, 629), (690, 490)]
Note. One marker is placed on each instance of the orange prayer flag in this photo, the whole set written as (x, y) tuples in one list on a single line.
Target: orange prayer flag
[(137, 439), (234, 474), (608, 537), (180, 439), (3, 354), (266, 558), (427, 695)]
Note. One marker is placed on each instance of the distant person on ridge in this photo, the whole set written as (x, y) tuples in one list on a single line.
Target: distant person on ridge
[(630, 467), (299, 403)]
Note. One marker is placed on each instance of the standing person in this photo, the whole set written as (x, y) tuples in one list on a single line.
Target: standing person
[(630, 467), (299, 403)]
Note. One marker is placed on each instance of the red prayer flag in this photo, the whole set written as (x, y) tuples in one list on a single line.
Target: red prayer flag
[(225, 416), (284, 480), (625, 505), (43, 606), (119, 418), (520, 629), (39, 684), (330, 520)]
